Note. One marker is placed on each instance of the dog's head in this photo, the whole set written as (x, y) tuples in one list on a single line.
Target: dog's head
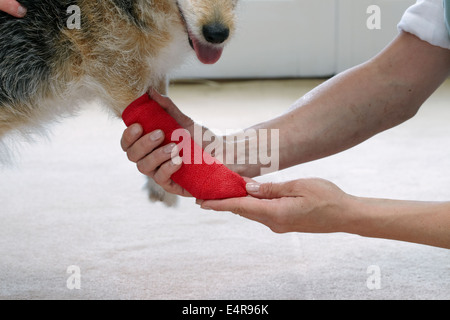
[(208, 24)]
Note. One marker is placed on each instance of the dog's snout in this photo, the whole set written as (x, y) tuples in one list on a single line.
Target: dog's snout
[(216, 33)]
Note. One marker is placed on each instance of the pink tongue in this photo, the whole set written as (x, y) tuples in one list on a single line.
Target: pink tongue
[(206, 54)]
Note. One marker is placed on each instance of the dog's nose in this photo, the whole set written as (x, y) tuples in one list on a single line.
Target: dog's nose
[(216, 32)]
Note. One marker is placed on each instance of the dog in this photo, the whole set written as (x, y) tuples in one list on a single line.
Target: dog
[(119, 50)]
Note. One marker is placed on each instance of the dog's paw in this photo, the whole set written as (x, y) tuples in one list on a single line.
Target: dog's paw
[(157, 194)]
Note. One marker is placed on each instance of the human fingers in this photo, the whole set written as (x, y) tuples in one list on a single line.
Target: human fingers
[(151, 162), (130, 136), (275, 214), (274, 190), (13, 8), (248, 207), (145, 146), (163, 174)]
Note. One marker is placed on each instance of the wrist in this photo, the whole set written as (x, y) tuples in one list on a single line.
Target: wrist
[(356, 215), (252, 152), (238, 155)]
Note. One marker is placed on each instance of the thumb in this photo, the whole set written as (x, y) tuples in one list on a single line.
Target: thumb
[(167, 104), (183, 120), (272, 190)]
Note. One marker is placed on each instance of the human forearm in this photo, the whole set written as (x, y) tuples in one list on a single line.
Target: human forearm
[(319, 206), (359, 103), (341, 113), (329, 119), (412, 221)]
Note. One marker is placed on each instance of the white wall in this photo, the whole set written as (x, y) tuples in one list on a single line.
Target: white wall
[(356, 43), (301, 38)]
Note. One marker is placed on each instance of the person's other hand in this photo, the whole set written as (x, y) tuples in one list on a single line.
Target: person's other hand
[(13, 7), (305, 205)]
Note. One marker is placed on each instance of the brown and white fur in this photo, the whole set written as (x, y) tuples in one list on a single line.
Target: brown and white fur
[(121, 49)]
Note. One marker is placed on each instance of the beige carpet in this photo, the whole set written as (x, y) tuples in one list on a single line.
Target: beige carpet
[(75, 200)]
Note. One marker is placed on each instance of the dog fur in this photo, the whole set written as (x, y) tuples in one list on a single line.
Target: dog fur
[(123, 48)]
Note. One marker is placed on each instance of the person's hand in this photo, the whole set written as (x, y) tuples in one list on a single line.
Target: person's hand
[(151, 159), (156, 162), (305, 205), (13, 7)]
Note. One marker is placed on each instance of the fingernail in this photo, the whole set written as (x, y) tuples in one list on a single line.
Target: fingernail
[(169, 147), (176, 161), (156, 135), (135, 131), (21, 11), (252, 187)]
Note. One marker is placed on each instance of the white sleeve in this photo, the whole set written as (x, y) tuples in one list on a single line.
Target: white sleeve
[(426, 20)]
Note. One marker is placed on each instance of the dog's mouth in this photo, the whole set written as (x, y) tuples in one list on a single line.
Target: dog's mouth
[(207, 54)]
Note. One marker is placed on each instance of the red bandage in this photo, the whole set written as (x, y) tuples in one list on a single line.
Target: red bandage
[(207, 179)]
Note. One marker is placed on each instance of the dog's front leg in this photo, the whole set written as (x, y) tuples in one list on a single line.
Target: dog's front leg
[(156, 192), (162, 86), (118, 99)]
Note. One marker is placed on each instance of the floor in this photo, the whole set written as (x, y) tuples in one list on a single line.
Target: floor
[(75, 200)]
